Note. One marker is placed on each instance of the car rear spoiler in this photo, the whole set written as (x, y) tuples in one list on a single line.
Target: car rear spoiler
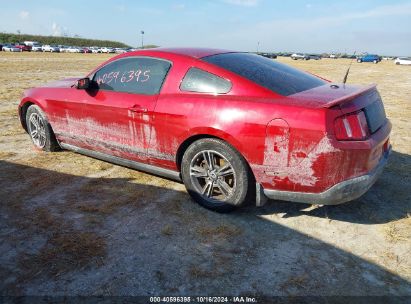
[(350, 96)]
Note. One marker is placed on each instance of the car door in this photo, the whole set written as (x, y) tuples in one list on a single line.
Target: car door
[(118, 115)]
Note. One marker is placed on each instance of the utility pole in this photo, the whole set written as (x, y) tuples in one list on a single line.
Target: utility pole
[(142, 39), (258, 46)]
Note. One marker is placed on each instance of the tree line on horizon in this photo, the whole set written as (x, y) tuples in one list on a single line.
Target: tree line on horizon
[(16, 38)]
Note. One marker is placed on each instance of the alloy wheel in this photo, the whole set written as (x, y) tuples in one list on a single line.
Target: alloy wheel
[(213, 176), (37, 130)]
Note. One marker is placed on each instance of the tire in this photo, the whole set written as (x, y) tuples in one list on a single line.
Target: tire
[(359, 60), (397, 63), (40, 130), (375, 61), (224, 190)]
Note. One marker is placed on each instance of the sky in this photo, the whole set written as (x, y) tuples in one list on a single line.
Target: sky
[(313, 26)]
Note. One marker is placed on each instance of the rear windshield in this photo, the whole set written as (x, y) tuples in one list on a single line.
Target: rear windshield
[(275, 76)]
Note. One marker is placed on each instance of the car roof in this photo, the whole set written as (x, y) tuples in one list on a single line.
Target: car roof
[(190, 52), (196, 53)]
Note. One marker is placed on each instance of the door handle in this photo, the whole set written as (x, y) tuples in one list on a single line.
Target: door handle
[(138, 109)]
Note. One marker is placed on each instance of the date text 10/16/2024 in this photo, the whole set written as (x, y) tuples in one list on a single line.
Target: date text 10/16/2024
[(238, 299)]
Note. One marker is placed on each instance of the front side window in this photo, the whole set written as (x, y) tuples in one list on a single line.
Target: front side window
[(275, 76), (200, 81), (133, 75)]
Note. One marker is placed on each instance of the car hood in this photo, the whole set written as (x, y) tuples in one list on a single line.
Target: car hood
[(63, 83)]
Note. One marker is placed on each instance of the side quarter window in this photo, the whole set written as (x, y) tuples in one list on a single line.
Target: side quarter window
[(136, 75), (197, 80)]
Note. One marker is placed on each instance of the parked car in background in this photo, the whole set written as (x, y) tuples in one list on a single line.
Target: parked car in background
[(23, 47), (106, 50), (63, 48), (74, 49), (221, 122), (297, 56), (388, 58), (36, 48), (268, 55), (403, 61), (95, 49), (85, 50), (314, 57), (120, 50), (333, 56), (11, 48), (31, 43), (369, 58), (50, 48)]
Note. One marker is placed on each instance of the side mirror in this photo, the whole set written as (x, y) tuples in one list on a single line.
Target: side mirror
[(83, 83)]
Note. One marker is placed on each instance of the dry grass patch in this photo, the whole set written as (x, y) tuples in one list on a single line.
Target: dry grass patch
[(64, 252), (217, 265), (4, 154), (65, 162), (173, 207), (94, 221), (195, 271), (12, 131), (295, 282), (218, 250), (105, 207), (104, 166), (66, 248), (220, 231), (399, 231), (89, 209), (41, 219), (43, 69), (107, 195), (167, 230)]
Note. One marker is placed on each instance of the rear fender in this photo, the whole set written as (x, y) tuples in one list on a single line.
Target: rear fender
[(207, 131)]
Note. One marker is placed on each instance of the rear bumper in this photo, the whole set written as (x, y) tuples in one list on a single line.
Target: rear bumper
[(340, 193)]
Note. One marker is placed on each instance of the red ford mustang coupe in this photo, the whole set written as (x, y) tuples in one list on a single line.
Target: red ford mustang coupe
[(232, 126)]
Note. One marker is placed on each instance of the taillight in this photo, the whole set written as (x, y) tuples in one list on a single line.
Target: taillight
[(352, 126)]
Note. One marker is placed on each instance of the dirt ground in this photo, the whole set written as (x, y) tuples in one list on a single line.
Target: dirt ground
[(73, 225)]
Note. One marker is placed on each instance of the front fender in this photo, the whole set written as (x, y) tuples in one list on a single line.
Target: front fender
[(25, 102)]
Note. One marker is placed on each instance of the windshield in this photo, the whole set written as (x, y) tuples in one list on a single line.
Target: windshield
[(275, 76)]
